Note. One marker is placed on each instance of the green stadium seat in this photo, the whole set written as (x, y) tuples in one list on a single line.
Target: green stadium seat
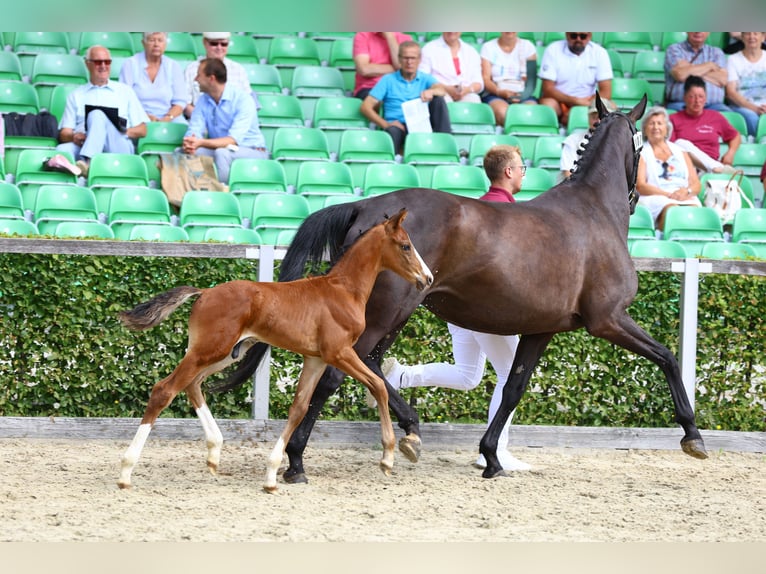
[(233, 235), (288, 52), (202, 209), (318, 179), (30, 174), (131, 206), (11, 203), (264, 78), (18, 227), (359, 148), (309, 83), (274, 212), (57, 203), (155, 232), (721, 250), (657, 248), (119, 44), (693, 227), (382, 178), (83, 229), (294, 145), (464, 180), (249, 177)]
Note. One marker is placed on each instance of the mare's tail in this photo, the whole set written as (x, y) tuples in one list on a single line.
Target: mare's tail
[(153, 312), (321, 232)]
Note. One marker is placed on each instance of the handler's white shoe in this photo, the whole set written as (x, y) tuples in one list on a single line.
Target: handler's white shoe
[(392, 371), (507, 461)]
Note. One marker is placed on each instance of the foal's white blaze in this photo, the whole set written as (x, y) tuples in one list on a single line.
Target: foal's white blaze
[(131, 455), (275, 459), (424, 268), (213, 437)]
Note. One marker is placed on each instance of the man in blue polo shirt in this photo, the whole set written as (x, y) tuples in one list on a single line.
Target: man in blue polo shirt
[(398, 87), (224, 123)]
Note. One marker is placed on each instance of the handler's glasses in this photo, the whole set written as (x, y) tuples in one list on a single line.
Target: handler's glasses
[(522, 168)]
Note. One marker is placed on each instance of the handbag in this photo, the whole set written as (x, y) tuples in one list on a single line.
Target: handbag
[(181, 173), (726, 197)]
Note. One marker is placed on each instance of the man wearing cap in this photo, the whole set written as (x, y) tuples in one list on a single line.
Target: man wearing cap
[(216, 46), (224, 123), (574, 141), (571, 71)]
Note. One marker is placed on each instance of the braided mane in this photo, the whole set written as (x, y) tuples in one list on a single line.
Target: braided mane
[(588, 149)]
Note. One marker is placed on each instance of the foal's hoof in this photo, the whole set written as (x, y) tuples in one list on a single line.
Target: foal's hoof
[(494, 474), (213, 468), (295, 477), (270, 489), (124, 485), (409, 446), (385, 468), (695, 448)]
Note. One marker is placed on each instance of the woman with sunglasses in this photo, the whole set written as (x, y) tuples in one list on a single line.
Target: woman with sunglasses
[(666, 175)]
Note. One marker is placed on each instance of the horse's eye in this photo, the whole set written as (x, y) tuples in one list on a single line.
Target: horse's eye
[(406, 247)]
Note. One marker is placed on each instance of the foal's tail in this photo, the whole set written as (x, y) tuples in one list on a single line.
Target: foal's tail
[(153, 312), (321, 232)]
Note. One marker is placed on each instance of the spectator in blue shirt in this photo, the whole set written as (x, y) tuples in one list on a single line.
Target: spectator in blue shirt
[(693, 57), (114, 126), (396, 88), (157, 80), (224, 123)]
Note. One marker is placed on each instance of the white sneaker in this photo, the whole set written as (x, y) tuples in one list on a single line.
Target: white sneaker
[(507, 461), (392, 371)]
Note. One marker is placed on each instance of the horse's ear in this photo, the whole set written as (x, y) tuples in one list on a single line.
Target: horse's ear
[(600, 106), (396, 219), (638, 112)]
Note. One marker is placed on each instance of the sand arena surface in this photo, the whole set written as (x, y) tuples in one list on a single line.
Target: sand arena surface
[(65, 490)]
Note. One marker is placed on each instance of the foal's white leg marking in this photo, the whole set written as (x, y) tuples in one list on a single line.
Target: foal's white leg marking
[(130, 458), (213, 437), (275, 459)]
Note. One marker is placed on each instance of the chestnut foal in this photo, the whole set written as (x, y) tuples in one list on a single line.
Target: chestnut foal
[(319, 317)]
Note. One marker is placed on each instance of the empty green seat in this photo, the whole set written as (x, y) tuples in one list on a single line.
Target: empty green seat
[(131, 206), (57, 203), (657, 248), (83, 229), (202, 209), (274, 212), (149, 232)]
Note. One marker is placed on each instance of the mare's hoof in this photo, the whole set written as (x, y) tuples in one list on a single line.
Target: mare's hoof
[(409, 446), (695, 448), (295, 477), (494, 474)]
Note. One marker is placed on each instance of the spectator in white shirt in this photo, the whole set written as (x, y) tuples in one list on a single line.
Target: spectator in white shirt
[(454, 64)]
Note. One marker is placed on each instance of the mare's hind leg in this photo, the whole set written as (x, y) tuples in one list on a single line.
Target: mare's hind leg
[(624, 331), (313, 367), (528, 354)]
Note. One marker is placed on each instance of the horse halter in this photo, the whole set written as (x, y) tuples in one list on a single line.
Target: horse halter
[(638, 143)]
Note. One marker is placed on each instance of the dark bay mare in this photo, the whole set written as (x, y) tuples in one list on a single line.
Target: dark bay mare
[(556, 263)]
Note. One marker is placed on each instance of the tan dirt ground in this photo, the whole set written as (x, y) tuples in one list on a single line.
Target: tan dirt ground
[(65, 490)]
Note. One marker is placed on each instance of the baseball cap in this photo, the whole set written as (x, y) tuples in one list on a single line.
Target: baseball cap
[(608, 105), (216, 35)]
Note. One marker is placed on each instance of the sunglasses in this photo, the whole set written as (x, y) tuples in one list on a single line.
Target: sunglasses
[(664, 174), (223, 43), (101, 62), (576, 35)]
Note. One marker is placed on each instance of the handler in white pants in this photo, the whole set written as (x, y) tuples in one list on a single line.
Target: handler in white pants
[(471, 350), (505, 169)]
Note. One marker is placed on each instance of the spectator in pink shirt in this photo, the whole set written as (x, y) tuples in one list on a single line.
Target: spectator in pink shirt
[(375, 54)]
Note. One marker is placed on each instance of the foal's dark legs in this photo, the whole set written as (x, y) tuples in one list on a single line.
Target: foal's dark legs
[(328, 384), (528, 354), (624, 331)]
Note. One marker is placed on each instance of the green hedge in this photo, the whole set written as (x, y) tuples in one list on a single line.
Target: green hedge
[(65, 353)]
